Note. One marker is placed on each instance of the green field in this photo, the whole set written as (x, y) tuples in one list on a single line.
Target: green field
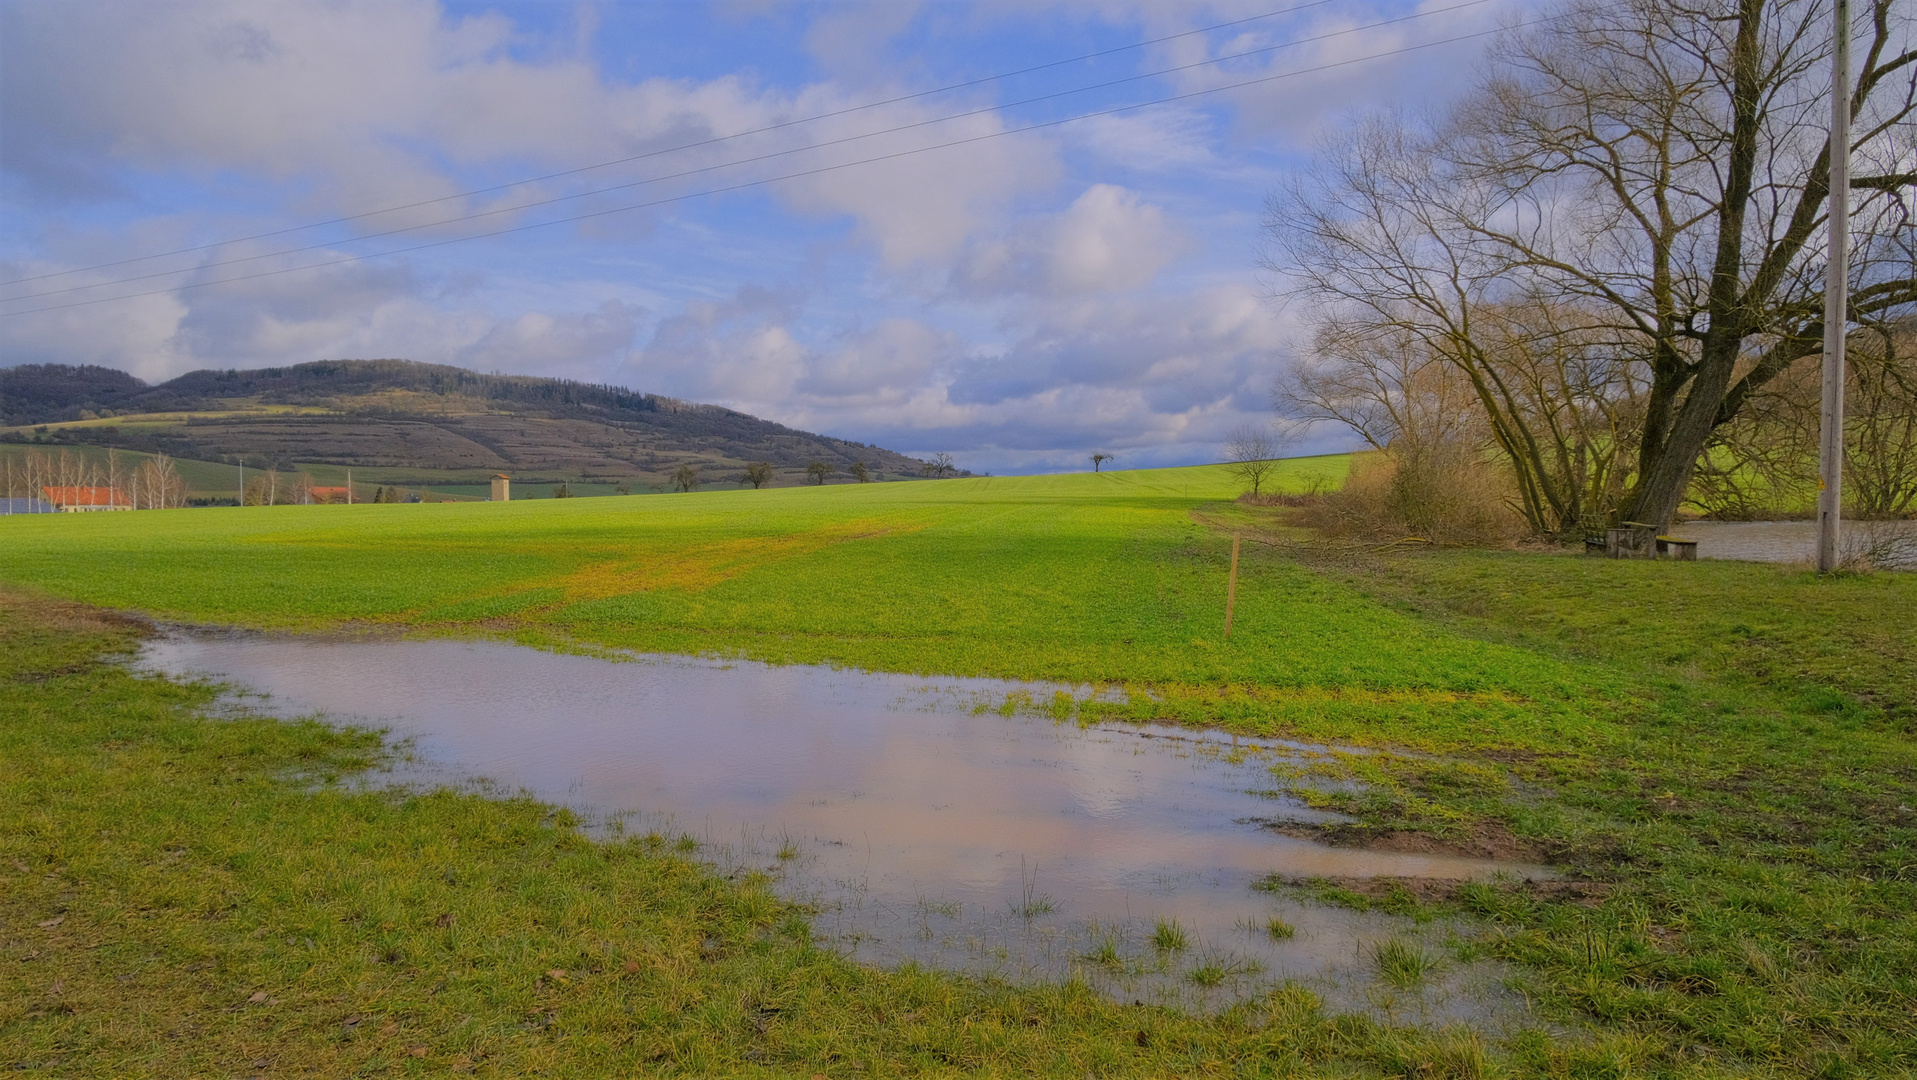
[(212, 480), (1725, 751)]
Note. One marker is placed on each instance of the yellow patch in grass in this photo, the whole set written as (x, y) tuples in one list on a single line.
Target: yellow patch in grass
[(702, 566)]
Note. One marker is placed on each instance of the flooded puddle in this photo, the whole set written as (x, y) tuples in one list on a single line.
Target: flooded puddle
[(920, 822), (1892, 545)]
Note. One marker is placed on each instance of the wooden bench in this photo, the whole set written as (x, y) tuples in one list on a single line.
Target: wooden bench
[(1632, 540), (1636, 540), (1671, 547)]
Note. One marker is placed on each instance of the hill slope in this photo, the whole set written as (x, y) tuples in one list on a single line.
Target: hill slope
[(434, 421)]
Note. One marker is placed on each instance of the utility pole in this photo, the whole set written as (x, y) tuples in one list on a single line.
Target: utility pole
[(1830, 449), (242, 483)]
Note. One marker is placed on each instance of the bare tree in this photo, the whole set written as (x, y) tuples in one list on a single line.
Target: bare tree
[(758, 474), (939, 467), (1764, 460), (819, 472), (1099, 459), (1249, 453), (685, 478), (157, 485), (1655, 170), (860, 472)]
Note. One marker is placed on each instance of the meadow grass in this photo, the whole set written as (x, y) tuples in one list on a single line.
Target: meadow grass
[(1726, 749), (191, 895), (1090, 579)]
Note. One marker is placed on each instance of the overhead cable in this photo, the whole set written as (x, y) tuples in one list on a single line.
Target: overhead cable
[(769, 155), (713, 140), (798, 174)]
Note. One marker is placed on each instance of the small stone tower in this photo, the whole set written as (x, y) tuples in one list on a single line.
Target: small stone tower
[(502, 487)]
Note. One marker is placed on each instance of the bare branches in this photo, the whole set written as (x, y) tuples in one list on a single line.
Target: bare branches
[(1642, 180), (1250, 453)]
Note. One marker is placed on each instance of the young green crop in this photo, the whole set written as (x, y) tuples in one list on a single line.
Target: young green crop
[(1103, 579), (1726, 748)]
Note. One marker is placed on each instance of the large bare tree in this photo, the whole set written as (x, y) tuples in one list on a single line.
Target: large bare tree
[(1658, 170)]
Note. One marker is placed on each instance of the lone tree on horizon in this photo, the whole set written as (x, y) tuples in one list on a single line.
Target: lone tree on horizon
[(819, 471), (685, 478), (758, 474), (1099, 459), (1249, 451)]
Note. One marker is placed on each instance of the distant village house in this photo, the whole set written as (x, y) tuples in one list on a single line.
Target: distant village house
[(328, 495), (74, 500)]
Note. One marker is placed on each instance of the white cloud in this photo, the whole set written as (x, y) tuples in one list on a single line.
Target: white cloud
[(946, 300), (1107, 240), (921, 205), (570, 342)]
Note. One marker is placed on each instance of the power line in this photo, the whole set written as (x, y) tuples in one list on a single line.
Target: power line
[(786, 176), (982, 80), (497, 211)]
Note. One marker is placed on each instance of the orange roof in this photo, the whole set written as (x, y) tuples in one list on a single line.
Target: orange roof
[(86, 496), (327, 491)]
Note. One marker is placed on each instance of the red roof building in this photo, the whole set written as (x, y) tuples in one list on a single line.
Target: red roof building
[(76, 499), (327, 495)]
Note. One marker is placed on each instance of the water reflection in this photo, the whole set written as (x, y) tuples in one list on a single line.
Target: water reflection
[(920, 822)]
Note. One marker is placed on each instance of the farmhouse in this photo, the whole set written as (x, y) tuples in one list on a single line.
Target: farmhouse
[(328, 495), (73, 500)]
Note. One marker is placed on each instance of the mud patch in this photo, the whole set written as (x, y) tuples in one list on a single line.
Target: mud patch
[(1393, 893), (1485, 840)]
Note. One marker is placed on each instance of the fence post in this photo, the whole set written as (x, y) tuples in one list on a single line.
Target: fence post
[(1231, 588)]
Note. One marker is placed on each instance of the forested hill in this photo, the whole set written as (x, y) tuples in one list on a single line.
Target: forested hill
[(402, 414)]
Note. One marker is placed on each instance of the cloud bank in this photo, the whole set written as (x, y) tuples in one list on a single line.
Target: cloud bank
[(1019, 300)]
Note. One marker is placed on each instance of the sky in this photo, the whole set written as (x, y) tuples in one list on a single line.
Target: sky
[(873, 220)]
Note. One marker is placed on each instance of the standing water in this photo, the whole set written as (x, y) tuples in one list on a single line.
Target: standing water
[(917, 820), (1888, 545)]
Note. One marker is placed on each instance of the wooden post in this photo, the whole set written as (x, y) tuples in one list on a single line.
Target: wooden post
[(1231, 588)]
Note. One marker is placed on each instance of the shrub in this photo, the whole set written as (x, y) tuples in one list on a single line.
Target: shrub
[(1445, 495)]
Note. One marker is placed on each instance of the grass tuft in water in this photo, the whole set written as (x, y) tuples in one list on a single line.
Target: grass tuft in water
[(1107, 947), (1170, 936), (1208, 974), (1403, 964), (1031, 903), (1280, 930)]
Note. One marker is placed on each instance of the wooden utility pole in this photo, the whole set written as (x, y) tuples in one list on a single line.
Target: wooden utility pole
[(1830, 450)]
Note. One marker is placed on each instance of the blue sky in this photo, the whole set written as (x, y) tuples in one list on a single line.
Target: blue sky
[(1019, 301)]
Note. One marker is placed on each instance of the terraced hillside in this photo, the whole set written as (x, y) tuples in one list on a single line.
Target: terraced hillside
[(420, 423)]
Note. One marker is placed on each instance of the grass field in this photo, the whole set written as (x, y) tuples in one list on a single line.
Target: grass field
[(1726, 750), (214, 480)]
